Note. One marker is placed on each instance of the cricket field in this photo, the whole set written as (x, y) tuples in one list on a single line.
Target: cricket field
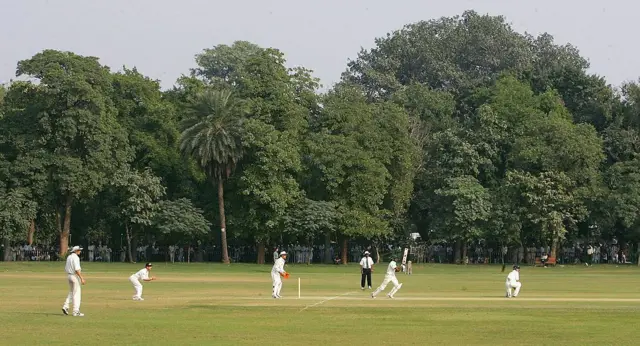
[(215, 304)]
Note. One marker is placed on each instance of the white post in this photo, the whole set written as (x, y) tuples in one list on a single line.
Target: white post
[(298, 288)]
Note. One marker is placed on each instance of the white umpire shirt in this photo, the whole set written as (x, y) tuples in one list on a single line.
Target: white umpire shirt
[(73, 264), (366, 262)]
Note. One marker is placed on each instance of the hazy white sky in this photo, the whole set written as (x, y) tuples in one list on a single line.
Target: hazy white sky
[(161, 37)]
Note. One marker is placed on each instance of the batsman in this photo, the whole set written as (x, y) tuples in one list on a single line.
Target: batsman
[(390, 276)]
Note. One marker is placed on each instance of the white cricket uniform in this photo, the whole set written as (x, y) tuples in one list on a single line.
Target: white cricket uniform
[(513, 282), (75, 286), (390, 276), (278, 268), (142, 274)]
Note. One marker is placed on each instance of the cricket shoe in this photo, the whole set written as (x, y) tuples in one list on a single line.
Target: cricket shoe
[(78, 314), (362, 288), (369, 287), (65, 311), (390, 296)]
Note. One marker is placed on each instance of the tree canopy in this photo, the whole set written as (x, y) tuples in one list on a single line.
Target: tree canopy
[(457, 128)]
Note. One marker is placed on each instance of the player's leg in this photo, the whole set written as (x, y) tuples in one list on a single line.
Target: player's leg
[(65, 306), (274, 280), (369, 278), (396, 287), (362, 279), (382, 286), (138, 288), (517, 286), (508, 287), (279, 288), (77, 296)]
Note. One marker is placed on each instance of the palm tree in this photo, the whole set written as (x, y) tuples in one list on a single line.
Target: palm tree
[(212, 135)]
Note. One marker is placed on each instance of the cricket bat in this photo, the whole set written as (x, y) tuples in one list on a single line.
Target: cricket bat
[(404, 257)]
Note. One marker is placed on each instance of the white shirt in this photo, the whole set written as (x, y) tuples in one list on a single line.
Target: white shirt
[(391, 269), (278, 266), (73, 264), (366, 262), (513, 277), (142, 274)]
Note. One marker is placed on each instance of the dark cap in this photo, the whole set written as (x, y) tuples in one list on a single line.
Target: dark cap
[(148, 265)]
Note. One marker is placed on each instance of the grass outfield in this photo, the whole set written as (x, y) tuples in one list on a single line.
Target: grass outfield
[(214, 304)]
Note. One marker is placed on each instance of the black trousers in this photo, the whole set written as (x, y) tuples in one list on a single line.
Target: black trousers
[(366, 273)]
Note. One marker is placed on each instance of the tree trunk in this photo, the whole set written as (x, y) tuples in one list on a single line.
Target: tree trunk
[(66, 226), (310, 247), (456, 252), (31, 231), (223, 222), (554, 247), (464, 252), (345, 242), (7, 250), (327, 249), (377, 254), (260, 253), (129, 251)]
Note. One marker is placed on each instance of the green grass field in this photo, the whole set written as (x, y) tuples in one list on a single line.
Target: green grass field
[(214, 304)]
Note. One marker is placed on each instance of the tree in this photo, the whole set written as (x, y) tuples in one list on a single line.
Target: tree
[(17, 210), (310, 219), (68, 120), (546, 200), (279, 102), (465, 205), (180, 219), (139, 194), (212, 136)]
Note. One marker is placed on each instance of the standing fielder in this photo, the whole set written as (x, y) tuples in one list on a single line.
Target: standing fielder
[(72, 267), (366, 267), (390, 276), (276, 272), (142, 274), (513, 281)]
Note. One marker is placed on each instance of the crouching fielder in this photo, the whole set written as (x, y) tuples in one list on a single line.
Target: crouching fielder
[(142, 274), (390, 276), (277, 272), (513, 282)]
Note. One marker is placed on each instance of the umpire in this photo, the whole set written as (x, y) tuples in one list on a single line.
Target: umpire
[(366, 266)]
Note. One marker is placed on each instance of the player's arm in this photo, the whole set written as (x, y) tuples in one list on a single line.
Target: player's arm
[(79, 274)]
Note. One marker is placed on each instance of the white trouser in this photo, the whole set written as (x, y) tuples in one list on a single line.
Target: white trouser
[(137, 286), (511, 285), (75, 293), (277, 284), (385, 282)]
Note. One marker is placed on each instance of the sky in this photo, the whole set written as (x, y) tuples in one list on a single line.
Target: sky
[(161, 37)]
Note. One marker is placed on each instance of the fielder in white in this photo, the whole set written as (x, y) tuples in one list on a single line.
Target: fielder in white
[(390, 276), (513, 282), (75, 279), (142, 274), (276, 274)]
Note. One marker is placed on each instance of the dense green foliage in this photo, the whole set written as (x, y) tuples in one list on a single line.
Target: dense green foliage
[(457, 128)]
